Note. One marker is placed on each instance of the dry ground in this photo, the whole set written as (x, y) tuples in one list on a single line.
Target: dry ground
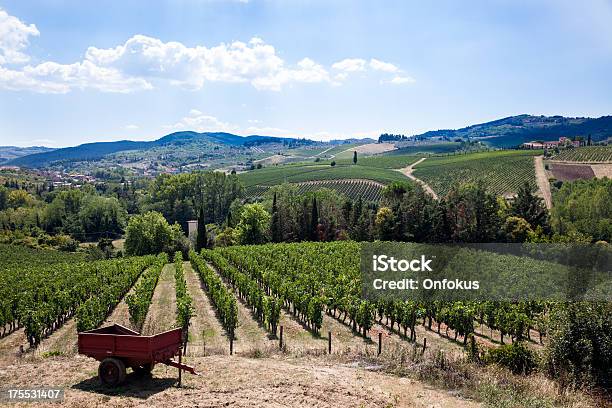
[(372, 148), (233, 381), (206, 335), (542, 181)]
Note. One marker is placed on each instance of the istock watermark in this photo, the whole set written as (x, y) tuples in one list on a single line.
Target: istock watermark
[(511, 272)]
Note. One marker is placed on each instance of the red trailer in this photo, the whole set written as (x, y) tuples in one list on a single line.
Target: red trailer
[(117, 347)]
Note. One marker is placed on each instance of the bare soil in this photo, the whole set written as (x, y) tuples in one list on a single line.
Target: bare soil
[(372, 148), (571, 172), (206, 335), (602, 170), (233, 381), (542, 181), (407, 171)]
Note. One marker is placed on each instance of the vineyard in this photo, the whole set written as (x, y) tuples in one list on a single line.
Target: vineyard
[(238, 300), (41, 298), (587, 154), (366, 189), (270, 176), (503, 171), (312, 279)]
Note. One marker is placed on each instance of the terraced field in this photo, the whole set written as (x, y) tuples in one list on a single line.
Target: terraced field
[(430, 148), (269, 176), (587, 154), (383, 161), (502, 171), (352, 188)]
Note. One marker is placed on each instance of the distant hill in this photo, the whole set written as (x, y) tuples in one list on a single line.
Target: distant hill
[(97, 150), (12, 152), (514, 130)]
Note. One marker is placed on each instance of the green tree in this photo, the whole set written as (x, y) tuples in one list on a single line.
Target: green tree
[(253, 225), (516, 229), (20, 198), (150, 233), (355, 157), (3, 198), (585, 207), (102, 216), (530, 207), (385, 224)]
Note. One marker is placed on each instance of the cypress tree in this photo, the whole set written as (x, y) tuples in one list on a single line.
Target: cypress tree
[(355, 157), (202, 238), (314, 220), (277, 234)]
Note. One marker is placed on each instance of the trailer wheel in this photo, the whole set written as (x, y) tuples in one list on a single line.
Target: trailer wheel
[(144, 369), (111, 372)]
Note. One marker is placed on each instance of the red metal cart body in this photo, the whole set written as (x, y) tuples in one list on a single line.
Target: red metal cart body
[(118, 347)]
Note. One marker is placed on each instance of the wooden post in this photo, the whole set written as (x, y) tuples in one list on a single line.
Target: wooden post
[(329, 335), (180, 362), (424, 344), (231, 345), (280, 342), (379, 343)]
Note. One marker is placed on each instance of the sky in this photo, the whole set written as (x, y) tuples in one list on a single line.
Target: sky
[(73, 72)]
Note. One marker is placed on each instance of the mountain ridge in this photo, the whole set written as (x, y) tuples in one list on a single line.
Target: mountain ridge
[(96, 150), (505, 132)]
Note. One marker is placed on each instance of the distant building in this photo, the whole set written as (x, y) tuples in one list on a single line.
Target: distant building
[(563, 141), (192, 229)]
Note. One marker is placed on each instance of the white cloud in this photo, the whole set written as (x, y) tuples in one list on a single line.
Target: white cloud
[(399, 80), (14, 37), (201, 122), (143, 62), (350, 65), (131, 127), (378, 65)]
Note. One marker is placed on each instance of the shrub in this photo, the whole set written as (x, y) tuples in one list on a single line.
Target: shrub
[(517, 357)]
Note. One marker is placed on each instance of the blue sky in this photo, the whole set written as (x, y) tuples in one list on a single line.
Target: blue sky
[(73, 72)]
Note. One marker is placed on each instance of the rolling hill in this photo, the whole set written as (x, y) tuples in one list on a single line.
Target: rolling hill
[(514, 130), (97, 150), (12, 152)]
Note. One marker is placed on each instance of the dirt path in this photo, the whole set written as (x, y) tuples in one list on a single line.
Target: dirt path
[(542, 181), (407, 171), (250, 334), (162, 311), (234, 381), (206, 335)]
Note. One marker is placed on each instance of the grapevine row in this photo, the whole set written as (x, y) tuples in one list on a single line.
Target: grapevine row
[(139, 300), (184, 307), (311, 276), (266, 308), (119, 278), (221, 298)]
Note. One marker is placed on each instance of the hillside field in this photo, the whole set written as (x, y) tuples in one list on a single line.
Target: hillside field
[(269, 176), (586, 154), (502, 171)]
